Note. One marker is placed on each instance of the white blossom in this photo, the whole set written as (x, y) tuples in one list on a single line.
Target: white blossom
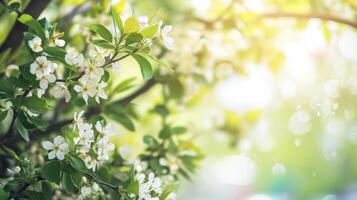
[(105, 130), (58, 148), (86, 134), (104, 147), (171, 162), (60, 42), (78, 119), (87, 89), (73, 57), (147, 188), (60, 90), (45, 79), (42, 66), (101, 92), (35, 44), (166, 38), (85, 193)]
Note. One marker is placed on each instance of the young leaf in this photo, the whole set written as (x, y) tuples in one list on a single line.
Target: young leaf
[(131, 25), (22, 130), (125, 85), (52, 171), (10, 152), (150, 31), (133, 38), (117, 20), (145, 66), (103, 43), (33, 24), (102, 31)]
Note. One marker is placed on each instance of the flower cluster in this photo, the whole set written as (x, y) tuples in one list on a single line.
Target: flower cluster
[(89, 192), (91, 68), (149, 186), (42, 68), (93, 148)]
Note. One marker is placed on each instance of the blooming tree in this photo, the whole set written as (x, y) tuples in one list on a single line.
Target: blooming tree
[(48, 154)]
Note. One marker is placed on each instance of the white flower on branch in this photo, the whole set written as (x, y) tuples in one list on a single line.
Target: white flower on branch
[(42, 66), (101, 92), (78, 119), (60, 42), (166, 38), (73, 57), (87, 89), (58, 148), (86, 134), (35, 44), (171, 162), (152, 185), (60, 90), (106, 130), (45, 79), (104, 147)]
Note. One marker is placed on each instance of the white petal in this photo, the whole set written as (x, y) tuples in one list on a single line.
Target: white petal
[(58, 140), (98, 126), (60, 155), (60, 42), (78, 88), (43, 84), (52, 155), (47, 145), (63, 147)]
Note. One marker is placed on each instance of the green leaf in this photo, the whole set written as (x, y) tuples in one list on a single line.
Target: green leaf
[(10, 152), (39, 123), (46, 190), (3, 115), (77, 163), (33, 195), (178, 130), (145, 66), (56, 52), (103, 43), (176, 89), (67, 182), (35, 104), (161, 110), (14, 185), (13, 6), (165, 133), (117, 113), (33, 24), (131, 25), (172, 187), (124, 85), (150, 31), (151, 141), (133, 38), (22, 130), (3, 194), (117, 20), (52, 171), (134, 184), (102, 31)]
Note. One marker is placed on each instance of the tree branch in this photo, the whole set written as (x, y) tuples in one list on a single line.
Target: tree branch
[(320, 16), (14, 38)]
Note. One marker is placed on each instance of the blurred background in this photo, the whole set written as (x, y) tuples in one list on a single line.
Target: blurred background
[(269, 94)]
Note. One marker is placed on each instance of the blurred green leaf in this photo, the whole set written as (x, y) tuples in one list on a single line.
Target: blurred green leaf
[(145, 66), (102, 31), (22, 130)]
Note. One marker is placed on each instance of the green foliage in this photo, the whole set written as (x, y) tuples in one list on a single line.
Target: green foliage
[(145, 66)]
